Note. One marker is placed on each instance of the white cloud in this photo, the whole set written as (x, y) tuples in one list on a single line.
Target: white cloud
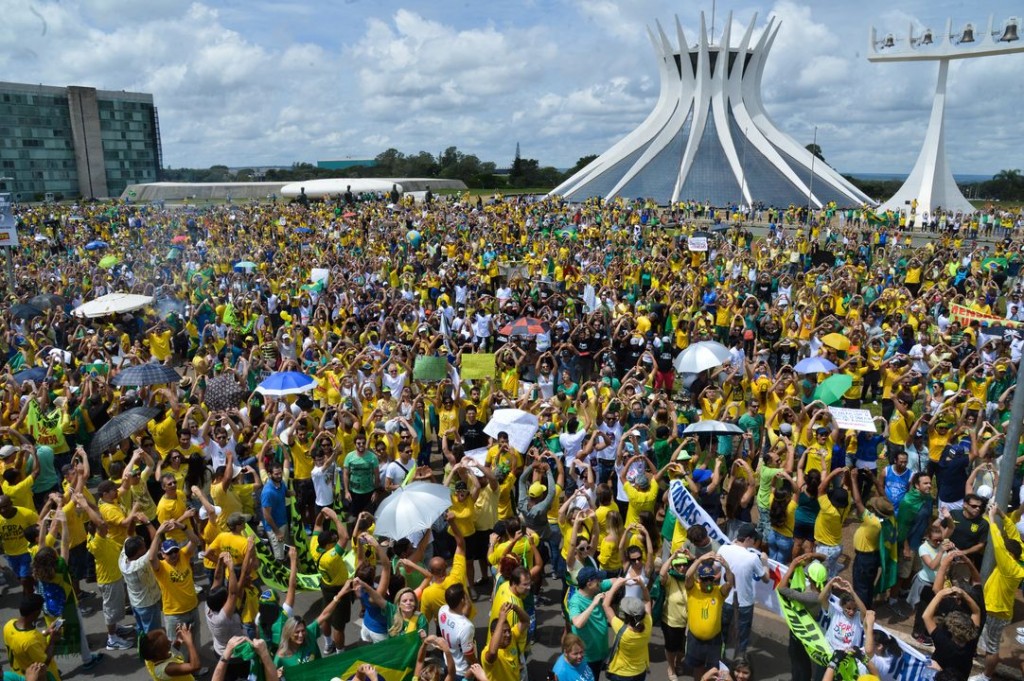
[(260, 82)]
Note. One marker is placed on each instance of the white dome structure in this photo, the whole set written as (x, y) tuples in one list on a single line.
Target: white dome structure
[(709, 137)]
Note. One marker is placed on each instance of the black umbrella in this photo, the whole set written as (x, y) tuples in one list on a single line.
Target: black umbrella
[(150, 373), (25, 311), (121, 427), (44, 301), (35, 374), (224, 392)]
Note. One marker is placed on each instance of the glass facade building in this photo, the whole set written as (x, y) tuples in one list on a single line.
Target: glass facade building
[(75, 142)]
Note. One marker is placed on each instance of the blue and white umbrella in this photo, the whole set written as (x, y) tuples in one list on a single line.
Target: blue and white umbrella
[(286, 383), (814, 365), (96, 245), (245, 266)]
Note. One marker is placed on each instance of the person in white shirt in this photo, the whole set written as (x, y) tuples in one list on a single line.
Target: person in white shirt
[(457, 630), (143, 590), (323, 473), (482, 326), (398, 470), (748, 566)]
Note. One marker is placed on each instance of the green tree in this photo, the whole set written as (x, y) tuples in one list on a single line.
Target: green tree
[(816, 150), (582, 163)]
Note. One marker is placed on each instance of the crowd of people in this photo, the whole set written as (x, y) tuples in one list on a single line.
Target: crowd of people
[(585, 308)]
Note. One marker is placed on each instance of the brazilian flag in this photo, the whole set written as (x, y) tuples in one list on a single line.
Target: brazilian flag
[(394, 659)]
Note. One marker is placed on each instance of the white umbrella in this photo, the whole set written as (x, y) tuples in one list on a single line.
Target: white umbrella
[(712, 426), (814, 365), (112, 303), (702, 356), (520, 425), (411, 509)]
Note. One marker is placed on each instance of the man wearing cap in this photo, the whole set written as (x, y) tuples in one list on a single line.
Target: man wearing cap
[(705, 602), (588, 619), (748, 565), (642, 495), (535, 498), (173, 572), (874, 544)]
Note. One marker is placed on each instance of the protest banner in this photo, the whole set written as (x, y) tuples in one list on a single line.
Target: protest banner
[(478, 365), (853, 419), (430, 369), (697, 243), (965, 315)]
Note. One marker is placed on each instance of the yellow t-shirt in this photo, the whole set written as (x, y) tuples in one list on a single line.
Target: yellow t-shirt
[(228, 501), (234, 544), (106, 551), (330, 563), (25, 648), (433, 594), (632, 657), (172, 509), (828, 526), (165, 433), (639, 500), (704, 611), (865, 539), (114, 515), (177, 584), (20, 492), (465, 515)]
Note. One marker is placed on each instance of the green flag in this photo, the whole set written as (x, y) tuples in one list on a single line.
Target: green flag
[(394, 660)]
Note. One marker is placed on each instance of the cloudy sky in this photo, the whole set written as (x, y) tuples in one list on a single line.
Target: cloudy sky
[(260, 82)]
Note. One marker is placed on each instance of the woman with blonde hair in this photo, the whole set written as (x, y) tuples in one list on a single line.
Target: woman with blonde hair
[(300, 641), (405, 614)]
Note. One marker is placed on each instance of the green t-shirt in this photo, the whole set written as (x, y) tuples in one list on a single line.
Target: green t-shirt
[(752, 424), (310, 649), (595, 632), (360, 471), (764, 485)]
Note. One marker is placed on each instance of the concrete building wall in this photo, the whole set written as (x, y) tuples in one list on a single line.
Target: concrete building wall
[(88, 141)]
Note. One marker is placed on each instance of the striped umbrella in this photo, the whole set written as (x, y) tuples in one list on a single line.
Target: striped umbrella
[(525, 326)]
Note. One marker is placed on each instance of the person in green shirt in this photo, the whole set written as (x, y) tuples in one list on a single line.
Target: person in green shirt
[(588, 618), (770, 466), (360, 476), (300, 641)]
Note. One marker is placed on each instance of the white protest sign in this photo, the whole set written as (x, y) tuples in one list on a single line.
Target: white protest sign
[(853, 419), (697, 243), (8, 222), (319, 274)]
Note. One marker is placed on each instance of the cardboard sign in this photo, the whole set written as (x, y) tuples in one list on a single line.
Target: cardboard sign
[(697, 243), (853, 419), (478, 365), (430, 369)]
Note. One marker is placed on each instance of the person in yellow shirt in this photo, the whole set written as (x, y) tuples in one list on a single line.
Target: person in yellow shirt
[(1000, 589), (328, 550), (440, 578), (173, 572), (502, 657), (172, 506), (16, 484), (642, 495), (25, 644), (13, 522), (118, 521), (631, 657), (834, 506), (109, 580), (705, 602)]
